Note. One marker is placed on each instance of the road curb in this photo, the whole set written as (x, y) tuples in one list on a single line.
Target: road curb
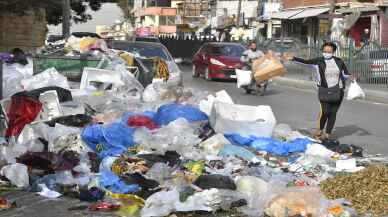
[(371, 95)]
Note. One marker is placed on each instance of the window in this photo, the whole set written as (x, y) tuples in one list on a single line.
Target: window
[(167, 20), (227, 50)]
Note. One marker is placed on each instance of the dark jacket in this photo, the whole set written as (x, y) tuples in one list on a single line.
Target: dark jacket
[(320, 63)]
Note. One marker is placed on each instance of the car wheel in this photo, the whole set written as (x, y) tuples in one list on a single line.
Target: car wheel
[(207, 76), (195, 73)]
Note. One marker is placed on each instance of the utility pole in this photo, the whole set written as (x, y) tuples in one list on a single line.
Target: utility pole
[(239, 13), (66, 18)]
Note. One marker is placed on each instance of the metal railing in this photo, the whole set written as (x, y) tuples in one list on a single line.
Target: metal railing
[(369, 62)]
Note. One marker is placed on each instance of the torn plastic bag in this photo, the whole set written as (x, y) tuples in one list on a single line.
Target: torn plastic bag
[(113, 183), (215, 181), (271, 145), (319, 150), (142, 121), (109, 140), (23, 110), (206, 105), (177, 136), (79, 120), (150, 94), (160, 172), (304, 201), (160, 204), (245, 120), (50, 162), (50, 77), (57, 134), (17, 174), (214, 144), (251, 186), (13, 74), (233, 150), (171, 112), (281, 131)]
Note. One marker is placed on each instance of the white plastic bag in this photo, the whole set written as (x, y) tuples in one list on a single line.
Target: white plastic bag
[(244, 78), (242, 119), (150, 94), (13, 74), (206, 106), (49, 77), (355, 92), (17, 174)]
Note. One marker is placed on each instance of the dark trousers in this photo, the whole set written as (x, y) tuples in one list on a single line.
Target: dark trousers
[(328, 114)]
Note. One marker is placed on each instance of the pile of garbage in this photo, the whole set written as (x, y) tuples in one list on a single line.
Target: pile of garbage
[(163, 149)]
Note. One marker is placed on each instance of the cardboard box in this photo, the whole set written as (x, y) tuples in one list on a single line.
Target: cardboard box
[(268, 69)]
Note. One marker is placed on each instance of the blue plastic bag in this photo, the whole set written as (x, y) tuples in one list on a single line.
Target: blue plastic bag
[(270, 145), (234, 150), (110, 140), (171, 112), (113, 183)]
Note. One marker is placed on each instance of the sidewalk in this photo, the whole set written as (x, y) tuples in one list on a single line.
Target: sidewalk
[(303, 81)]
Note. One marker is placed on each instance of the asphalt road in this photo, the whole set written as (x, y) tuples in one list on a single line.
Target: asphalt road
[(358, 122)]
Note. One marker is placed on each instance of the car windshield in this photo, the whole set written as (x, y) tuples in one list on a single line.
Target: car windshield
[(144, 50), (227, 50)]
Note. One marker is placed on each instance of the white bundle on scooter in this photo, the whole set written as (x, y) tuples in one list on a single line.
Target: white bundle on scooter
[(244, 77), (355, 92)]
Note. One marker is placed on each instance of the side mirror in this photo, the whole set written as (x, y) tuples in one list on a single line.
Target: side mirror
[(178, 60)]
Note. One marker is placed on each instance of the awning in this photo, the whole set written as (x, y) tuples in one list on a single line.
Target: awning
[(310, 12), (283, 15), (361, 9)]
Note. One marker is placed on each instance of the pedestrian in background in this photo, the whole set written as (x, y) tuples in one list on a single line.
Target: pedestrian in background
[(365, 37), (331, 80)]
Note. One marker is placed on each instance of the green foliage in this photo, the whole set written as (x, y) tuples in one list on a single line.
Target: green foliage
[(54, 8)]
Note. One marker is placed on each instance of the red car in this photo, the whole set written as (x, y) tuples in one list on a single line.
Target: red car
[(218, 60)]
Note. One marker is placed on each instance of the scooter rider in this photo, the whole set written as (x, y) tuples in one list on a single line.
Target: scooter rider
[(250, 55)]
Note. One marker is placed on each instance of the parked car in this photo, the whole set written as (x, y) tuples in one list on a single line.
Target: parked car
[(148, 39), (218, 60), (371, 65), (148, 50)]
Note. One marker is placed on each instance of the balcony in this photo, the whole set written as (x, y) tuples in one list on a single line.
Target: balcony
[(156, 11)]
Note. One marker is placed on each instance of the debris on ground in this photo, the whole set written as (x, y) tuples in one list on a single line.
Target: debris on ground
[(132, 144)]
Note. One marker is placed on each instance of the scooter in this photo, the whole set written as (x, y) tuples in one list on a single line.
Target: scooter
[(255, 87)]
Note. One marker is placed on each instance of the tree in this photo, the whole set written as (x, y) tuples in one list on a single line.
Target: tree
[(54, 8)]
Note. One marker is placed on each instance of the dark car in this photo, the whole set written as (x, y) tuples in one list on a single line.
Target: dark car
[(147, 50), (218, 60)]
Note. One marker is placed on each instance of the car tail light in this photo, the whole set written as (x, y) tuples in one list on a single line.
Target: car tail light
[(376, 66)]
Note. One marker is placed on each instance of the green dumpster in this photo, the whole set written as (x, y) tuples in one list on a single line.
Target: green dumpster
[(70, 67)]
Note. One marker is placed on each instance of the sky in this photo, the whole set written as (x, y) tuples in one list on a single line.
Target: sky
[(107, 15)]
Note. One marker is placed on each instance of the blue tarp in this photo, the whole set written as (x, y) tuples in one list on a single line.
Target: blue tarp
[(171, 112), (270, 145), (110, 140), (112, 182)]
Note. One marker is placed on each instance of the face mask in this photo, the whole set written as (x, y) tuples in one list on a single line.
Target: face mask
[(327, 55)]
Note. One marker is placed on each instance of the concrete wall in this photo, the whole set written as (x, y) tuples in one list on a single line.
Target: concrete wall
[(249, 8), (27, 32)]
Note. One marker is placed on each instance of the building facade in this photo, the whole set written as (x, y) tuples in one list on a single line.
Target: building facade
[(309, 20)]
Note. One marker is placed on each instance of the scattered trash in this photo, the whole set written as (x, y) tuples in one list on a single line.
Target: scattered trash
[(370, 195), (48, 193), (95, 133), (17, 174)]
